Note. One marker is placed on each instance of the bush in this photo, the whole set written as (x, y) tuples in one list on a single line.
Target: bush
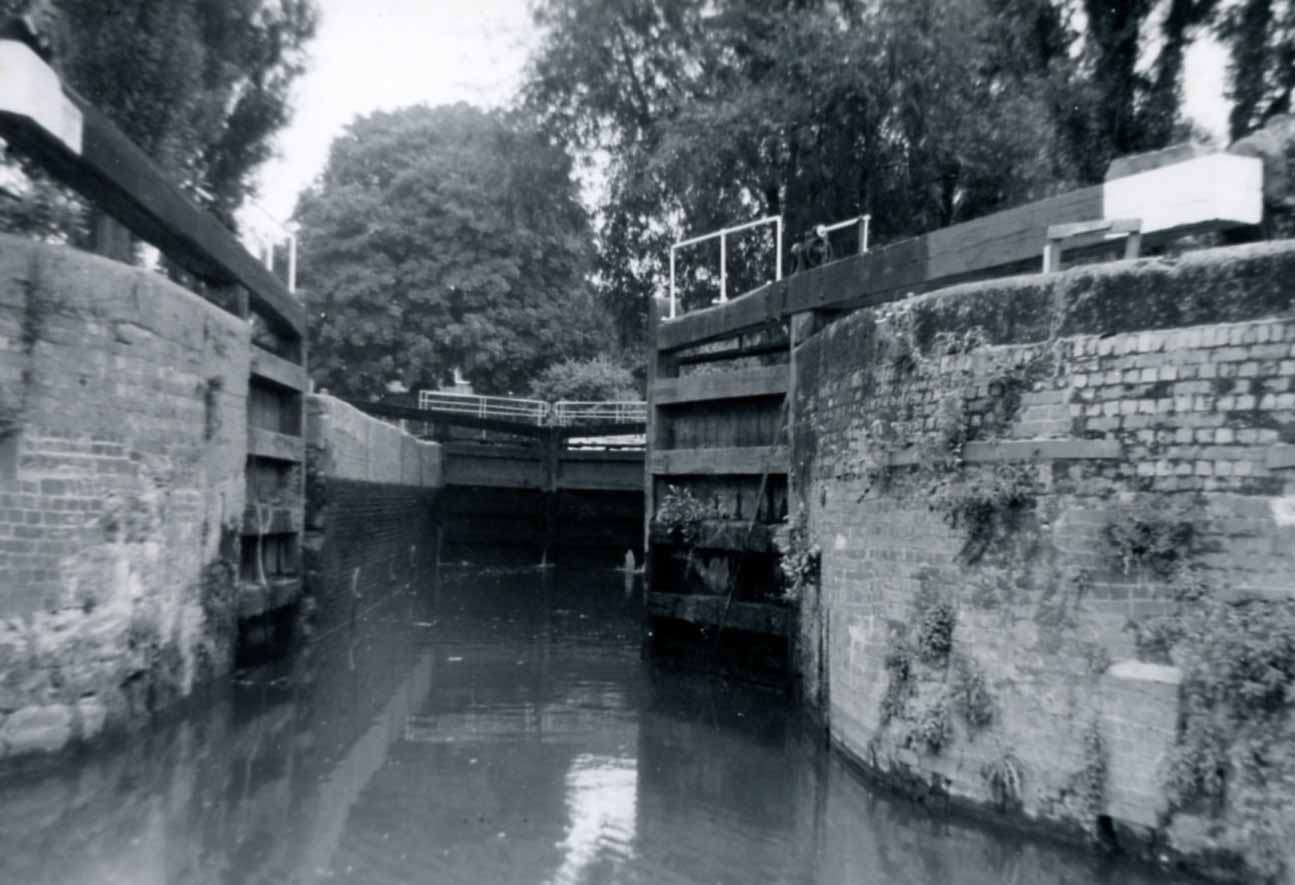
[(597, 379)]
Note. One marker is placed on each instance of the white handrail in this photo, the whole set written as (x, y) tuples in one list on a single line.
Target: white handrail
[(723, 233), (484, 406), (566, 412)]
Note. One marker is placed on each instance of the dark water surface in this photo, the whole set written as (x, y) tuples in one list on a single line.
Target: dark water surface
[(491, 727)]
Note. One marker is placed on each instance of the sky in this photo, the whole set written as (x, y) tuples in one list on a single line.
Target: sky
[(381, 54), (384, 54)]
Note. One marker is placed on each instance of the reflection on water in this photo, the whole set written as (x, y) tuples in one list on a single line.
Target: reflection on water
[(490, 727)]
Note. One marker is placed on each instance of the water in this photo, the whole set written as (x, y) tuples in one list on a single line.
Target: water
[(491, 728)]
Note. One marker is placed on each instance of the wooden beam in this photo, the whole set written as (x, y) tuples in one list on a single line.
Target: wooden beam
[(275, 369), (113, 174), (747, 617), (732, 353), (723, 320), (743, 461), (262, 443), (736, 384)]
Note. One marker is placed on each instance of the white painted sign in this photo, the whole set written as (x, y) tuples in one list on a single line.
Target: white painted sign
[(30, 88)]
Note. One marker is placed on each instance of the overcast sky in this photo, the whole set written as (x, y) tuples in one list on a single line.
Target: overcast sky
[(382, 54), (372, 54)]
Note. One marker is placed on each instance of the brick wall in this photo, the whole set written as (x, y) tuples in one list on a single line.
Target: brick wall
[(370, 518), (1155, 384), (122, 447)]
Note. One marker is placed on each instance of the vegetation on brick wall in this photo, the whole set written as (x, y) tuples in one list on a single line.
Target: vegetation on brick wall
[(1005, 779), (1237, 715), (680, 514), (800, 562), (928, 685)]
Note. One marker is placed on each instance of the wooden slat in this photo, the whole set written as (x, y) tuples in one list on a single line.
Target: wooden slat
[(115, 175), (751, 310), (737, 384), (727, 534), (749, 617), (279, 521), (745, 461), (262, 443), (277, 370)]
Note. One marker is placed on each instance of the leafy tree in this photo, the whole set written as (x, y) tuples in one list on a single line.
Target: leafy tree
[(1260, 35), (201, 85), (910, 111), (589, 380), (443, 238)]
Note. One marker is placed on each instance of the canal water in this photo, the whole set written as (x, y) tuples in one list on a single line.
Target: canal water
[(491, 727)]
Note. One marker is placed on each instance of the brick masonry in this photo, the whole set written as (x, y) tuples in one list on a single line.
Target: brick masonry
[(122, 450), (1186, 369), (371, 522)]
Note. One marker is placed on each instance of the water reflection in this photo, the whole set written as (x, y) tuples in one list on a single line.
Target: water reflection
[(494, 727)]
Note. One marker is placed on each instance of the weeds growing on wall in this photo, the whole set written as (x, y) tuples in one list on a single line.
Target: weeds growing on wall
[(680, 514), (802, 559), (1005, 778), (1155, 532), (1237, 698), (984, 504), (970, 694)]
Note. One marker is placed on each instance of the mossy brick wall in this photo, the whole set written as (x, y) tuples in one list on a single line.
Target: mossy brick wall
[(1162, 384), (122, 448), (370, 518)]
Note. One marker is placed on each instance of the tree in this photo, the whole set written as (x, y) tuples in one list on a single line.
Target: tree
[(816, 111), (201, 85), (591, 380), (1260, 35), (444, 238)]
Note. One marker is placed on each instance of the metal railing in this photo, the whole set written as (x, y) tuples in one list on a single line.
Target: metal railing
[(863, 221), (722, 234), (567, 412), (564, 413), (531, 411)]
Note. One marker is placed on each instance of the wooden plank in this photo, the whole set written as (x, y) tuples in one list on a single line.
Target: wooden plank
[(262, 443), (113, 174), (764, 348), (736, 384), (751, 310), (279, 521), (728, 534), (750, 617), (486, 450), (257, 599), (996, 451), (275, 369), (748, 460)]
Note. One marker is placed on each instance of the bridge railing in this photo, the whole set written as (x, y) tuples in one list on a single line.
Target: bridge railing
[(531, 411), (568, 412)]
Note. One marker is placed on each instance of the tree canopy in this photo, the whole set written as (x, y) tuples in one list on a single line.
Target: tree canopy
[(201, 85), (443, 238), (920, 112)]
